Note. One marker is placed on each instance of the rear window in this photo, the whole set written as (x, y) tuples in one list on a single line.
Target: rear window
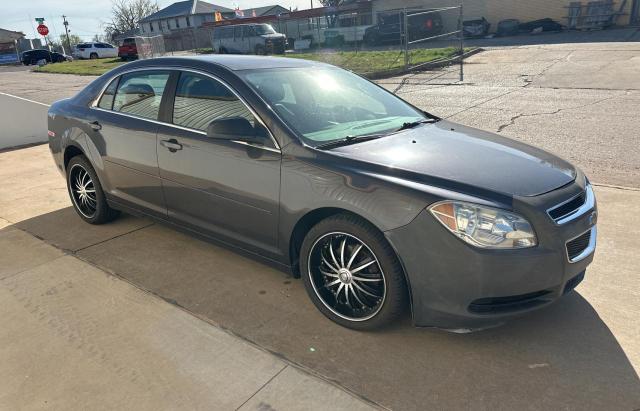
[(129, 42)]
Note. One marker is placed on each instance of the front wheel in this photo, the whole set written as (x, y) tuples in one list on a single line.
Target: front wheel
[(86, 192), (352, 274)]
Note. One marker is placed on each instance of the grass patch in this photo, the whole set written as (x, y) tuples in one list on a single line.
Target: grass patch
[(362, 62), (81, 67), (375, 61)]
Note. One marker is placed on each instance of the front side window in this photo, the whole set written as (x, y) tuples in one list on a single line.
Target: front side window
[(326, 104), (140, 93), (106, 101), (200, 100), (264, 29)]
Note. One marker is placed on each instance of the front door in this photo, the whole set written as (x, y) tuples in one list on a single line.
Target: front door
[(216, 186), (126, 139)]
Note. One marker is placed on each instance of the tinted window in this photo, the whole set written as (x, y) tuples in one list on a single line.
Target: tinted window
[(99, 46), (83, 46), (106, 101), (140, 93), (200, 100), (249, 31)]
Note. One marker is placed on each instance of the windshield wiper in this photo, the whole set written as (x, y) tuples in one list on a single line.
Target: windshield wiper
[(413, 124), (348, 140)]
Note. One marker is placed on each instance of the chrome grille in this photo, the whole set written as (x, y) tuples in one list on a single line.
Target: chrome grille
[(574, 207), (567, 208)]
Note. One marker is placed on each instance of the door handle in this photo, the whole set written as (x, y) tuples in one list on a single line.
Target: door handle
[(95, 126), (172, 145)]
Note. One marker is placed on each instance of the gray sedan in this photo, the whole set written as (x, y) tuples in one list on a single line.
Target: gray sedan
[(378, 206)]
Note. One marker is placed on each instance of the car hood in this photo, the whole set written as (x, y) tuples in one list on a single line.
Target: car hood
[(465, 156)]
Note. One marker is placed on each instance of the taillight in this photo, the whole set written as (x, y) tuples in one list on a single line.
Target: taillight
[(428, 24), (51, 133)]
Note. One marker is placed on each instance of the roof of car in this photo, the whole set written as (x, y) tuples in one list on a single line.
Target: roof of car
[(239, 62)]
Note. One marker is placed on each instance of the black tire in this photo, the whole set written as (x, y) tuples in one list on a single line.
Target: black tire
[(356, 310), (92, 209), (93, 56), (260, 50), (222, 50)]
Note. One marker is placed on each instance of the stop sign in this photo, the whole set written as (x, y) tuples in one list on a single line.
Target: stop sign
[(43, 30)]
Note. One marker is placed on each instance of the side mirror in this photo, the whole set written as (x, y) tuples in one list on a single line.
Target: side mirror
[(234, 128)]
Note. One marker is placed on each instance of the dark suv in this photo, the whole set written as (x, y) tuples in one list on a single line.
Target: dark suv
[(390, 27), (33, 56)]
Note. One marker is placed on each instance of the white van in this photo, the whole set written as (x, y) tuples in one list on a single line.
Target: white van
[(248, 39)]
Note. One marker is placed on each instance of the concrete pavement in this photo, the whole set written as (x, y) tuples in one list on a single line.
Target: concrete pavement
[(76, 337), (581, 353)]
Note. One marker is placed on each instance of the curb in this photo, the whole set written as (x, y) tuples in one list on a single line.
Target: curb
[(377, 75)]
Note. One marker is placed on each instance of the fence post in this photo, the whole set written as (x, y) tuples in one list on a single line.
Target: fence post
[(461, 34), (406, 39)]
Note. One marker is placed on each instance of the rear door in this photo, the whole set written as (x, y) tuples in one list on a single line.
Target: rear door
[(216, 186), (125, 126)]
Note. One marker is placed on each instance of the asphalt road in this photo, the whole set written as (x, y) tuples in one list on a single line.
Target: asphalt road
[(578, 100), (581, 353)]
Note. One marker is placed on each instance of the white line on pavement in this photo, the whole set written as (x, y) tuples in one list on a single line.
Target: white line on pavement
[(25, 99)]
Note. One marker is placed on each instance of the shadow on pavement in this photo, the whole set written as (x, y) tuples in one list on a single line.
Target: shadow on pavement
[(561, 357)]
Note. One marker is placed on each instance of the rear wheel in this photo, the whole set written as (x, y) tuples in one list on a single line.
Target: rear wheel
[(86, 192), (93, 56), (352, 274), (260, 50), (222, 50)]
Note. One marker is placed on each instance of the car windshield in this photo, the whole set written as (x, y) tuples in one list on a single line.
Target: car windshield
[(326, 104), (264, 29)]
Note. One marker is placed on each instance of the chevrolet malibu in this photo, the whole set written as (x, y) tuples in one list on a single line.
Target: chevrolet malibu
[(377, 205)]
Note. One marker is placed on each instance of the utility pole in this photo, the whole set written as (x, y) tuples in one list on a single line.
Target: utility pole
[(66, 29)]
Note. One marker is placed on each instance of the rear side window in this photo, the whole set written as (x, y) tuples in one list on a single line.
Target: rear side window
[(140, 93), (83, 46), (200, 100), (106, 101)]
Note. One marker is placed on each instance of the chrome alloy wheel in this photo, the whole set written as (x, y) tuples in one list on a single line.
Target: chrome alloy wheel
[(83, 191), (347, 276)]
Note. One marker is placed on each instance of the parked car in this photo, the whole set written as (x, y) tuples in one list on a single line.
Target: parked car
[(95, 51), (390, 27), (33, 56), (248, 39), (476, 27), (128, 49), (376, 204)]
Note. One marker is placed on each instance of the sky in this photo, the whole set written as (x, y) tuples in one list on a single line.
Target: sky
[(86, 17)]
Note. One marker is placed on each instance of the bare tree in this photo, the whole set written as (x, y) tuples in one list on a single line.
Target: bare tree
[(125, 15)]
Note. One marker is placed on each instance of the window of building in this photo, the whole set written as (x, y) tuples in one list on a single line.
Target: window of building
[(188, 22), (140, 93), (151, 26), (237, 33), (177, 23)]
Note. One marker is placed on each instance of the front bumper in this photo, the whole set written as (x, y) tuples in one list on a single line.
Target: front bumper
[(457, 286)]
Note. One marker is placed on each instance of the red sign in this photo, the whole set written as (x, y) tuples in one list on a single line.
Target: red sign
[(43, 30)]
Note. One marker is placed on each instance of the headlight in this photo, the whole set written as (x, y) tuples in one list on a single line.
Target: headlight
[(484, 227)]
